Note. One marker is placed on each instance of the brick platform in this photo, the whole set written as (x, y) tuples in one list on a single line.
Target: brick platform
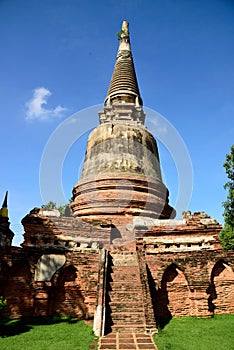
[(126, 341)]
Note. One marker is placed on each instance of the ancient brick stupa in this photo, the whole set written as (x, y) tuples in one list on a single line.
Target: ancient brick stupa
[(117, 259), (121, 175)]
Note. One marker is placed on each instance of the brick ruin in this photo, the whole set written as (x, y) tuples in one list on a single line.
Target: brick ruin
[(119, 256)]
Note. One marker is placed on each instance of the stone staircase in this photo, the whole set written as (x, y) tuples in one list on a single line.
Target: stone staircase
[(124, 300)]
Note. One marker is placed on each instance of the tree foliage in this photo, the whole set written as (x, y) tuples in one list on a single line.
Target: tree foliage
[(52, 205), (227, 237), (229, 186), (119, 34), (3, 304), (227, 234)]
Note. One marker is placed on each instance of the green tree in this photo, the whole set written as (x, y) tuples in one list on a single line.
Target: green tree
[(49, 205), (53, 205), (3, 304), (227, 233)]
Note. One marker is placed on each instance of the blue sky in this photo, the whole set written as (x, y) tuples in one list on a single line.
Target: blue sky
[(57, 58)]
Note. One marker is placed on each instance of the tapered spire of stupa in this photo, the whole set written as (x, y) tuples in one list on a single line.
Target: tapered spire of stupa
[(123, 86), (4, 210), (121, 176)]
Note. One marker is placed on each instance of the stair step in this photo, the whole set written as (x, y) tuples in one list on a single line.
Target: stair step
[(126, 298), (127, 317), (127, 277), (117, 269), (124, 271), (124, 310), (129, 302), (131, 292), (123, 287), (133, 321), (123, 264), (129, 283), (126, 267), (126, 313), (126, 304), (119, 295), (128, 328), (132, 281), (123, 276)]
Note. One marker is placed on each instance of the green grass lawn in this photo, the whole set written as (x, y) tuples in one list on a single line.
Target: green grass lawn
[(185, 333), (45, 334), (190, 333)]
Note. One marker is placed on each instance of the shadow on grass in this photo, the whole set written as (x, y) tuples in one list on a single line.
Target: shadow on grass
[(13, 328), (10, 328)]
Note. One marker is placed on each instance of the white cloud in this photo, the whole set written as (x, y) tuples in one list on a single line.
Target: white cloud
[(35, 107)]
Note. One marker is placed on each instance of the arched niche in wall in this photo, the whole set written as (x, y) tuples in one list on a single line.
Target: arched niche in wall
[(175, 288), (66, 297), (221, 288), (47, 265)]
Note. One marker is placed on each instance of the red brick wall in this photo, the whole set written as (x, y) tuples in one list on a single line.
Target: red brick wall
[(18, 291), (175, 287), (194, 283), (197, 283), (71, 291), (222, 282)]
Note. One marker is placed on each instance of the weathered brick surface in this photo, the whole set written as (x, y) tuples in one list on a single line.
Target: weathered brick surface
[(71, 291), (125, 306), (193, 276), (197, 284), (147, 298), (121, 174), (121, 195), (6, 235), (222, 287), (64, 232)]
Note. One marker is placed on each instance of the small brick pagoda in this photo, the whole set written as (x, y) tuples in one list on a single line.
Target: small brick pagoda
[(119, 257)]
